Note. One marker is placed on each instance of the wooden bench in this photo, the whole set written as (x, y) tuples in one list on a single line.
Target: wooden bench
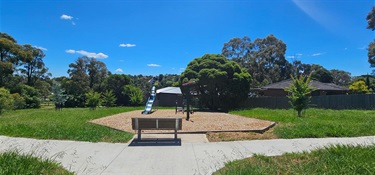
[(143, 123)]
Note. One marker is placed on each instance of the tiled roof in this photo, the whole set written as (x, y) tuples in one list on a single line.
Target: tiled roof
[(316, 84)]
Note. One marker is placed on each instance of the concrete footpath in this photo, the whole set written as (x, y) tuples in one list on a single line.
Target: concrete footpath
[(189, 156)]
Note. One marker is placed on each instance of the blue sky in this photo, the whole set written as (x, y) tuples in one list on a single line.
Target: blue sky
[(162, 36)]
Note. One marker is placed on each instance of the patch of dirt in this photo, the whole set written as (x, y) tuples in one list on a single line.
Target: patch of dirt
[(199, 121), (236, 136)]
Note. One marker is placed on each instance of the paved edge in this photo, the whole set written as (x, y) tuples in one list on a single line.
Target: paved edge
[(262, 130)]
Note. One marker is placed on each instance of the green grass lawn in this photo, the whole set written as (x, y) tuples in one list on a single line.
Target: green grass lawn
[(316, 123), (68, 124), (332, 160), (15, 163)]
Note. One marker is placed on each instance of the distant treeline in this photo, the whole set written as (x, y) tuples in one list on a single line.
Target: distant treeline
[(25, 81)]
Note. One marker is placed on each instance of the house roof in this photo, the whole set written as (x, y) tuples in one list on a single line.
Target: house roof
[(169, 90), (316, 84)]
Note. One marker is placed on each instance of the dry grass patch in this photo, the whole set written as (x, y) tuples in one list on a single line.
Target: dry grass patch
[(236, 136)]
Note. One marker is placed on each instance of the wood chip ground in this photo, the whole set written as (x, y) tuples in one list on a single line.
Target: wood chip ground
[(199, 121)]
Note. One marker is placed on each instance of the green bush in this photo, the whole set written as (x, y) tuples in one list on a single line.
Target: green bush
[(19, 101), (135, 95), (299, 93), (92, 99), (30, 94), (58, 96), (359, 87), (6, 100), (108, 98)]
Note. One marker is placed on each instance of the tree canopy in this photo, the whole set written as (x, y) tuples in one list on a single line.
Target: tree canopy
[(371, 47), (340, 77), (264, 58), (85, 74), (219, 83), (23, 72), (371, 54), (116, 83), (321, 74), (371, 19)]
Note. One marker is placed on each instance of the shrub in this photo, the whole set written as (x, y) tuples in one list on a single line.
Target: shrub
[(300, 91), (359, 87), (18, 101), (135, 95), (92, 99), (58, 97), (30, 94), (6, 100), (108, 98)]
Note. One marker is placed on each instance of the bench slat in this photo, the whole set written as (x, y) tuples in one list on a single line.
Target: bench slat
[(156, 123)]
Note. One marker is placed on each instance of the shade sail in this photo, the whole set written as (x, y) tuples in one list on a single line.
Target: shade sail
[(169, 90)]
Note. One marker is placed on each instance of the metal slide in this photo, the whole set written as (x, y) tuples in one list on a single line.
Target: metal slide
[(150, 102)]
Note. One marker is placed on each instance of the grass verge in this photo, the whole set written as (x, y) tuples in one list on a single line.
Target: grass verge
[(316, 123), (12, 162), (68, 124), (331, 160)]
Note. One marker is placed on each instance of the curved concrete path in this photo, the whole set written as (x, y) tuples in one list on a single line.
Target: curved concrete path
[(186, 158)]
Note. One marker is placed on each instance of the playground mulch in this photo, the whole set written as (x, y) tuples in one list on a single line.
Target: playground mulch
[(200, 122)]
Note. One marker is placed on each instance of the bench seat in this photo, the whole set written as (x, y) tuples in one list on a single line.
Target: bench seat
[(147, 123)]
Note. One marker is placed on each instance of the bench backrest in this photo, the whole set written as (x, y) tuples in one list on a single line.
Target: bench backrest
[(156, 123)]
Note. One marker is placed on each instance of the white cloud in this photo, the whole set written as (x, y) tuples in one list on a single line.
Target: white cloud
[(41, 48), (298, 55), (182, 69), (119, 70), (317, 54), (361, 48), (319, 13), (153, 65), (127, 45), (88, 54), (69, 18), (66, 17), (70, 51)]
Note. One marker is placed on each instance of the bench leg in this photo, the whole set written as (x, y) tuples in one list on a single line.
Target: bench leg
[(175, 134), (139, 135)]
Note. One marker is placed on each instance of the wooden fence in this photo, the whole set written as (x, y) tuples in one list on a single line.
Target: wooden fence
[(354, 101)]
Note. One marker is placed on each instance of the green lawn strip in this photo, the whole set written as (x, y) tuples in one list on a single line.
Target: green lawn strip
[(316, 123), (68, 124), (13, 162), (331, 160)]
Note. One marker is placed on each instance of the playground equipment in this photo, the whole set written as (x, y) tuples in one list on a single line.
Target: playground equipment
[(150, 101)]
